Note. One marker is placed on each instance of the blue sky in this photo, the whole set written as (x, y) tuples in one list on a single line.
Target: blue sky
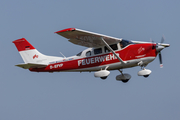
[(26, 95)]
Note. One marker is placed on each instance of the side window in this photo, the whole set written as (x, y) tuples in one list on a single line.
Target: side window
[(98, 51), (88, 53), (106, 49), (79, 54), (114, 47)]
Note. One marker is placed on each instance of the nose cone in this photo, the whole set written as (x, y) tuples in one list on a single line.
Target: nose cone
[(159, 48)]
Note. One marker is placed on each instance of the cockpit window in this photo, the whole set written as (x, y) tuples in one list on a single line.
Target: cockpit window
[(79, 54), (125, 43), (98, 51)]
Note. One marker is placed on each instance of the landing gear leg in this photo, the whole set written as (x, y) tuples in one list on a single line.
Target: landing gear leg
[(120, 71)]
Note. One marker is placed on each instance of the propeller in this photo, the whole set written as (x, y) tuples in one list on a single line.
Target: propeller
[(159, 47)]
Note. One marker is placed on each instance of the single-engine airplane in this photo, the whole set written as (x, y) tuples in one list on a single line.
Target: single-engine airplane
[(104, 53)]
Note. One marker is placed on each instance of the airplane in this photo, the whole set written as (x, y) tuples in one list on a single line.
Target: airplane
[(104, 53)]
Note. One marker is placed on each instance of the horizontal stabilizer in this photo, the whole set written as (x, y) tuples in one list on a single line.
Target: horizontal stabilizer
[(31, 65)]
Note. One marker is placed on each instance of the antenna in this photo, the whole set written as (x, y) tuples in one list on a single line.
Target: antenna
[(62, 55)]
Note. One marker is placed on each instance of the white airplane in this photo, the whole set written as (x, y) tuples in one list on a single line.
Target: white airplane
[(104, 53)]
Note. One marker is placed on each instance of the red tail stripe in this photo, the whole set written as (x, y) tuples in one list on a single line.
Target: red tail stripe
[(22, 44)]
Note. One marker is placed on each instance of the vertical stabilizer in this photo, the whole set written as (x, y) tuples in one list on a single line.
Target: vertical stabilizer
[(30, 55)]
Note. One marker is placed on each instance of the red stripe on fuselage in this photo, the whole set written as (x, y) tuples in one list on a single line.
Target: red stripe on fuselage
[(131, 52)]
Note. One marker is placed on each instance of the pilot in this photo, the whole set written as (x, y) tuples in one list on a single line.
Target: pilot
[(121, 45)]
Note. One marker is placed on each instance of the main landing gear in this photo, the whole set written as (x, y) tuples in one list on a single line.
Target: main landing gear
[(124, 77), (103, 74)]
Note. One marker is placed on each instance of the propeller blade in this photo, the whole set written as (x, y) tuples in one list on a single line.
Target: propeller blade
[(160, 60), (151, 40), (162, 39)]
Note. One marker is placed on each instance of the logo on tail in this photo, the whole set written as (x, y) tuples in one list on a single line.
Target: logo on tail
[(35, 56)]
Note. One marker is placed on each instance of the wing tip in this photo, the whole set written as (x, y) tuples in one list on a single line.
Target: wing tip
[(18, 40), (66, 30)]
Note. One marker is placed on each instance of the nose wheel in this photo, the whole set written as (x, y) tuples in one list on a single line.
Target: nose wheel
[(103, 78), (146, 76), (144, 72)]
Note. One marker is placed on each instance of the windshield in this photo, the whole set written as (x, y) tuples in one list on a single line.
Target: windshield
[(125, 43)]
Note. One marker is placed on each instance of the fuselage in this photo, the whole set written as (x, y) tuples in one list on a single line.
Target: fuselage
[(103, 53), (93, 59)]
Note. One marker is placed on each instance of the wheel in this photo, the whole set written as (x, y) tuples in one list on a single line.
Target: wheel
[(125, 81), (146, 76), (104, 77)]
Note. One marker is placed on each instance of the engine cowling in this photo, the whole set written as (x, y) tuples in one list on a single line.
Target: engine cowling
[(102, 73)]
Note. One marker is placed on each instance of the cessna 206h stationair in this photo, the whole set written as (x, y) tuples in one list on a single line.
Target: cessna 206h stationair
[(104, 53)]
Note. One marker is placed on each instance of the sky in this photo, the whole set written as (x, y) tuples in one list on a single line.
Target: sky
[(26, 95)]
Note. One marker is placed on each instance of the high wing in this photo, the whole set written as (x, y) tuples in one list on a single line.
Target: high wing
[(89, 39), (86, 38)]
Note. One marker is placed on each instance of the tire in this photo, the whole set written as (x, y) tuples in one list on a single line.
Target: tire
[(104, 77), (125, 81), (146, 76)]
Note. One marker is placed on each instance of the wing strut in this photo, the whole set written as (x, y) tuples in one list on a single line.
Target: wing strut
[(112, 51)]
